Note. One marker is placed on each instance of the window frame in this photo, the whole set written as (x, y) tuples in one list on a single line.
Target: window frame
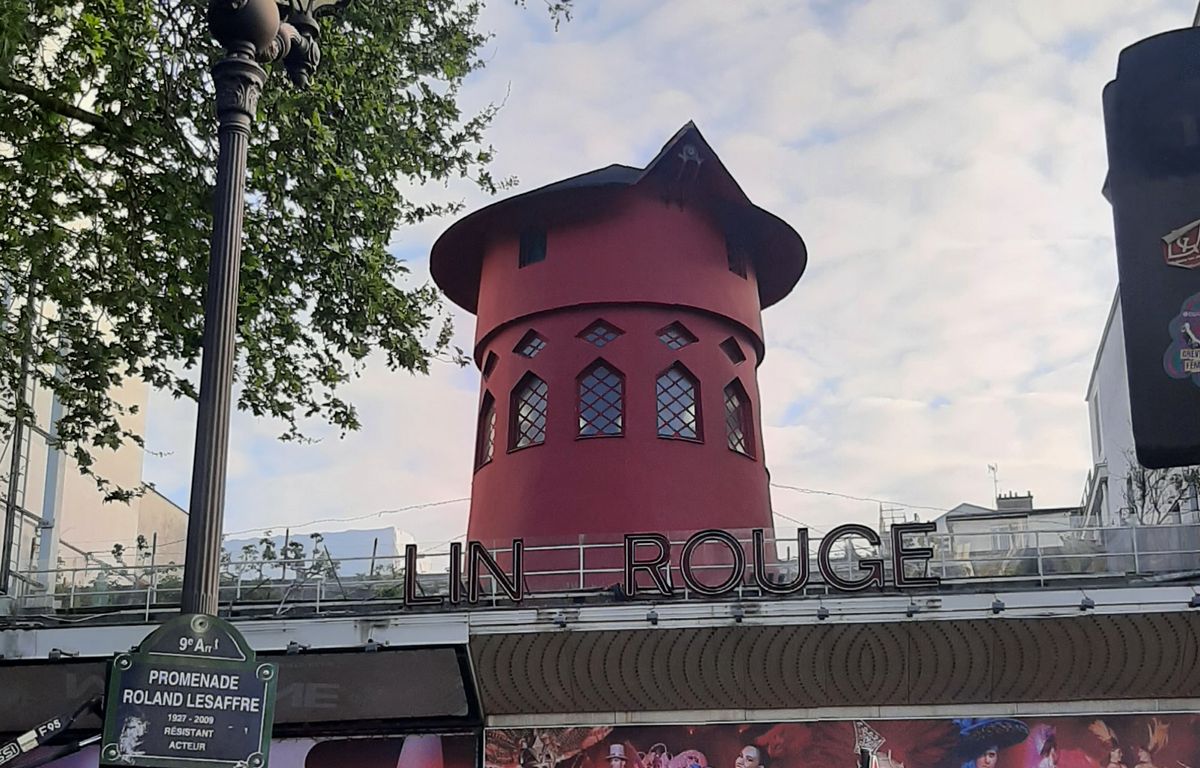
[(600, 321), (486, 407), (527, 339), (680, 330), (745, 418), (732, 343), (696, 395), (587, 371), (737, 258), (531, 247), (514, 433)]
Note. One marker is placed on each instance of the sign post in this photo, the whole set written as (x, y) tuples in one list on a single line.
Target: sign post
[(191, 695)]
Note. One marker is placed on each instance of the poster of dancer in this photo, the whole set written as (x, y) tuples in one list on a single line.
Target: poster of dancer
[(1077, 741)]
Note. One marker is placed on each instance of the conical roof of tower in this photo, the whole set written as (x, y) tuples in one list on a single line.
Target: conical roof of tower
[(777, 250)]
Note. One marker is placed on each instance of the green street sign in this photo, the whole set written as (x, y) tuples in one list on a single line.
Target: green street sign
[(190, 696)]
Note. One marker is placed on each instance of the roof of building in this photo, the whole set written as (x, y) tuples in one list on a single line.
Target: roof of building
[(965, 510), (779, 255)]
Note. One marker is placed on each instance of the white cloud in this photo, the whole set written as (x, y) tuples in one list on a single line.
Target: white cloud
[(943, 162)]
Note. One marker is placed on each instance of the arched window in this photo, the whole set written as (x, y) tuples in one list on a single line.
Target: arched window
[(528, 413), (485, 436), (739, 424), (678, 397), (601, 401)]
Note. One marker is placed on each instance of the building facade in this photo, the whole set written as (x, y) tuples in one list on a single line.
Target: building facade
[(63, 527)]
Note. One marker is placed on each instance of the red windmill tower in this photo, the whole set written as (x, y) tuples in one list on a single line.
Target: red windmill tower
[(618, 334)]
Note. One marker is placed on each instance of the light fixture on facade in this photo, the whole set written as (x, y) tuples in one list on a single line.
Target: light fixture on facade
[(738, 613), (912, 610), (822, 613), (1195, 601), (652, 617), (294, 648), (997, 606), (1087, 603), (560, 620)]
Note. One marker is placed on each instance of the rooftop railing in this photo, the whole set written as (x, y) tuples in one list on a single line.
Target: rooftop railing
[(588, 569)]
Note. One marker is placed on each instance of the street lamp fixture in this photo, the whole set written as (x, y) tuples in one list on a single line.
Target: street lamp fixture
[(250, 31)]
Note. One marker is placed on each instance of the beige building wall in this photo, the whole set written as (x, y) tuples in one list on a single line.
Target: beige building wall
[(86, 527), (159, 515), (86, 522)]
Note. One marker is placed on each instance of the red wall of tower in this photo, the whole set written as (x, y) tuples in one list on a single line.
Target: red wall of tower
[(639, 264)]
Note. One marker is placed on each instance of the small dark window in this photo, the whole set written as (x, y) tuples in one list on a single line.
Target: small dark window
[(485, 437), (533, 247), (600, 333), (739, 427), (489, 364), (736, 254), (733, 351), (678, 404), (676, 336), (601, 401), (528, 413), (529, 345)]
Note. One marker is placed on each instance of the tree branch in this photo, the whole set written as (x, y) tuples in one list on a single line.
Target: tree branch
[(58, 106)]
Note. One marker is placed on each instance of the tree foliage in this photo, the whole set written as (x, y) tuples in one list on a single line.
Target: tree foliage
[(107, 165)]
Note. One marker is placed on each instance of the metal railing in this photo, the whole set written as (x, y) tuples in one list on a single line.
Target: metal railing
[(558, 570)]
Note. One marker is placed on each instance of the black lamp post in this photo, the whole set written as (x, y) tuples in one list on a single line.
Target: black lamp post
[(250, 31)]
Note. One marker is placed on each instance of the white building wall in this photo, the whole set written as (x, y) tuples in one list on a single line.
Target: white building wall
[(1110, 423)]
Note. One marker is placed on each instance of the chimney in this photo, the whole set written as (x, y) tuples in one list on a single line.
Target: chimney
[(1010, 501)]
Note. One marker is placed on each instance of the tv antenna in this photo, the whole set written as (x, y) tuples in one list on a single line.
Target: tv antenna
[(994, 471)]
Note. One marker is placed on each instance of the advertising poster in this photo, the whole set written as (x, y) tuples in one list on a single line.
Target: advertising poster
[(1104, 741), (427, 751)]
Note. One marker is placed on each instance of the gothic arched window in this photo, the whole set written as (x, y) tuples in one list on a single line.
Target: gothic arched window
[(678, 397), (527, 413), (485, 437), (739, 424), (601, 401)]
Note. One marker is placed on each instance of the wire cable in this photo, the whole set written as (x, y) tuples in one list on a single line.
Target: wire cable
[(835, 494)]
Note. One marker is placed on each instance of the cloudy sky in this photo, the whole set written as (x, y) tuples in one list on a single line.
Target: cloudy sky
[(943, 162)]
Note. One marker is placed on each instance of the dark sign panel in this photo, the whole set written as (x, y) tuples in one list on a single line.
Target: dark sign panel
[(1152, 119), (328, 688), (192, 694)]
